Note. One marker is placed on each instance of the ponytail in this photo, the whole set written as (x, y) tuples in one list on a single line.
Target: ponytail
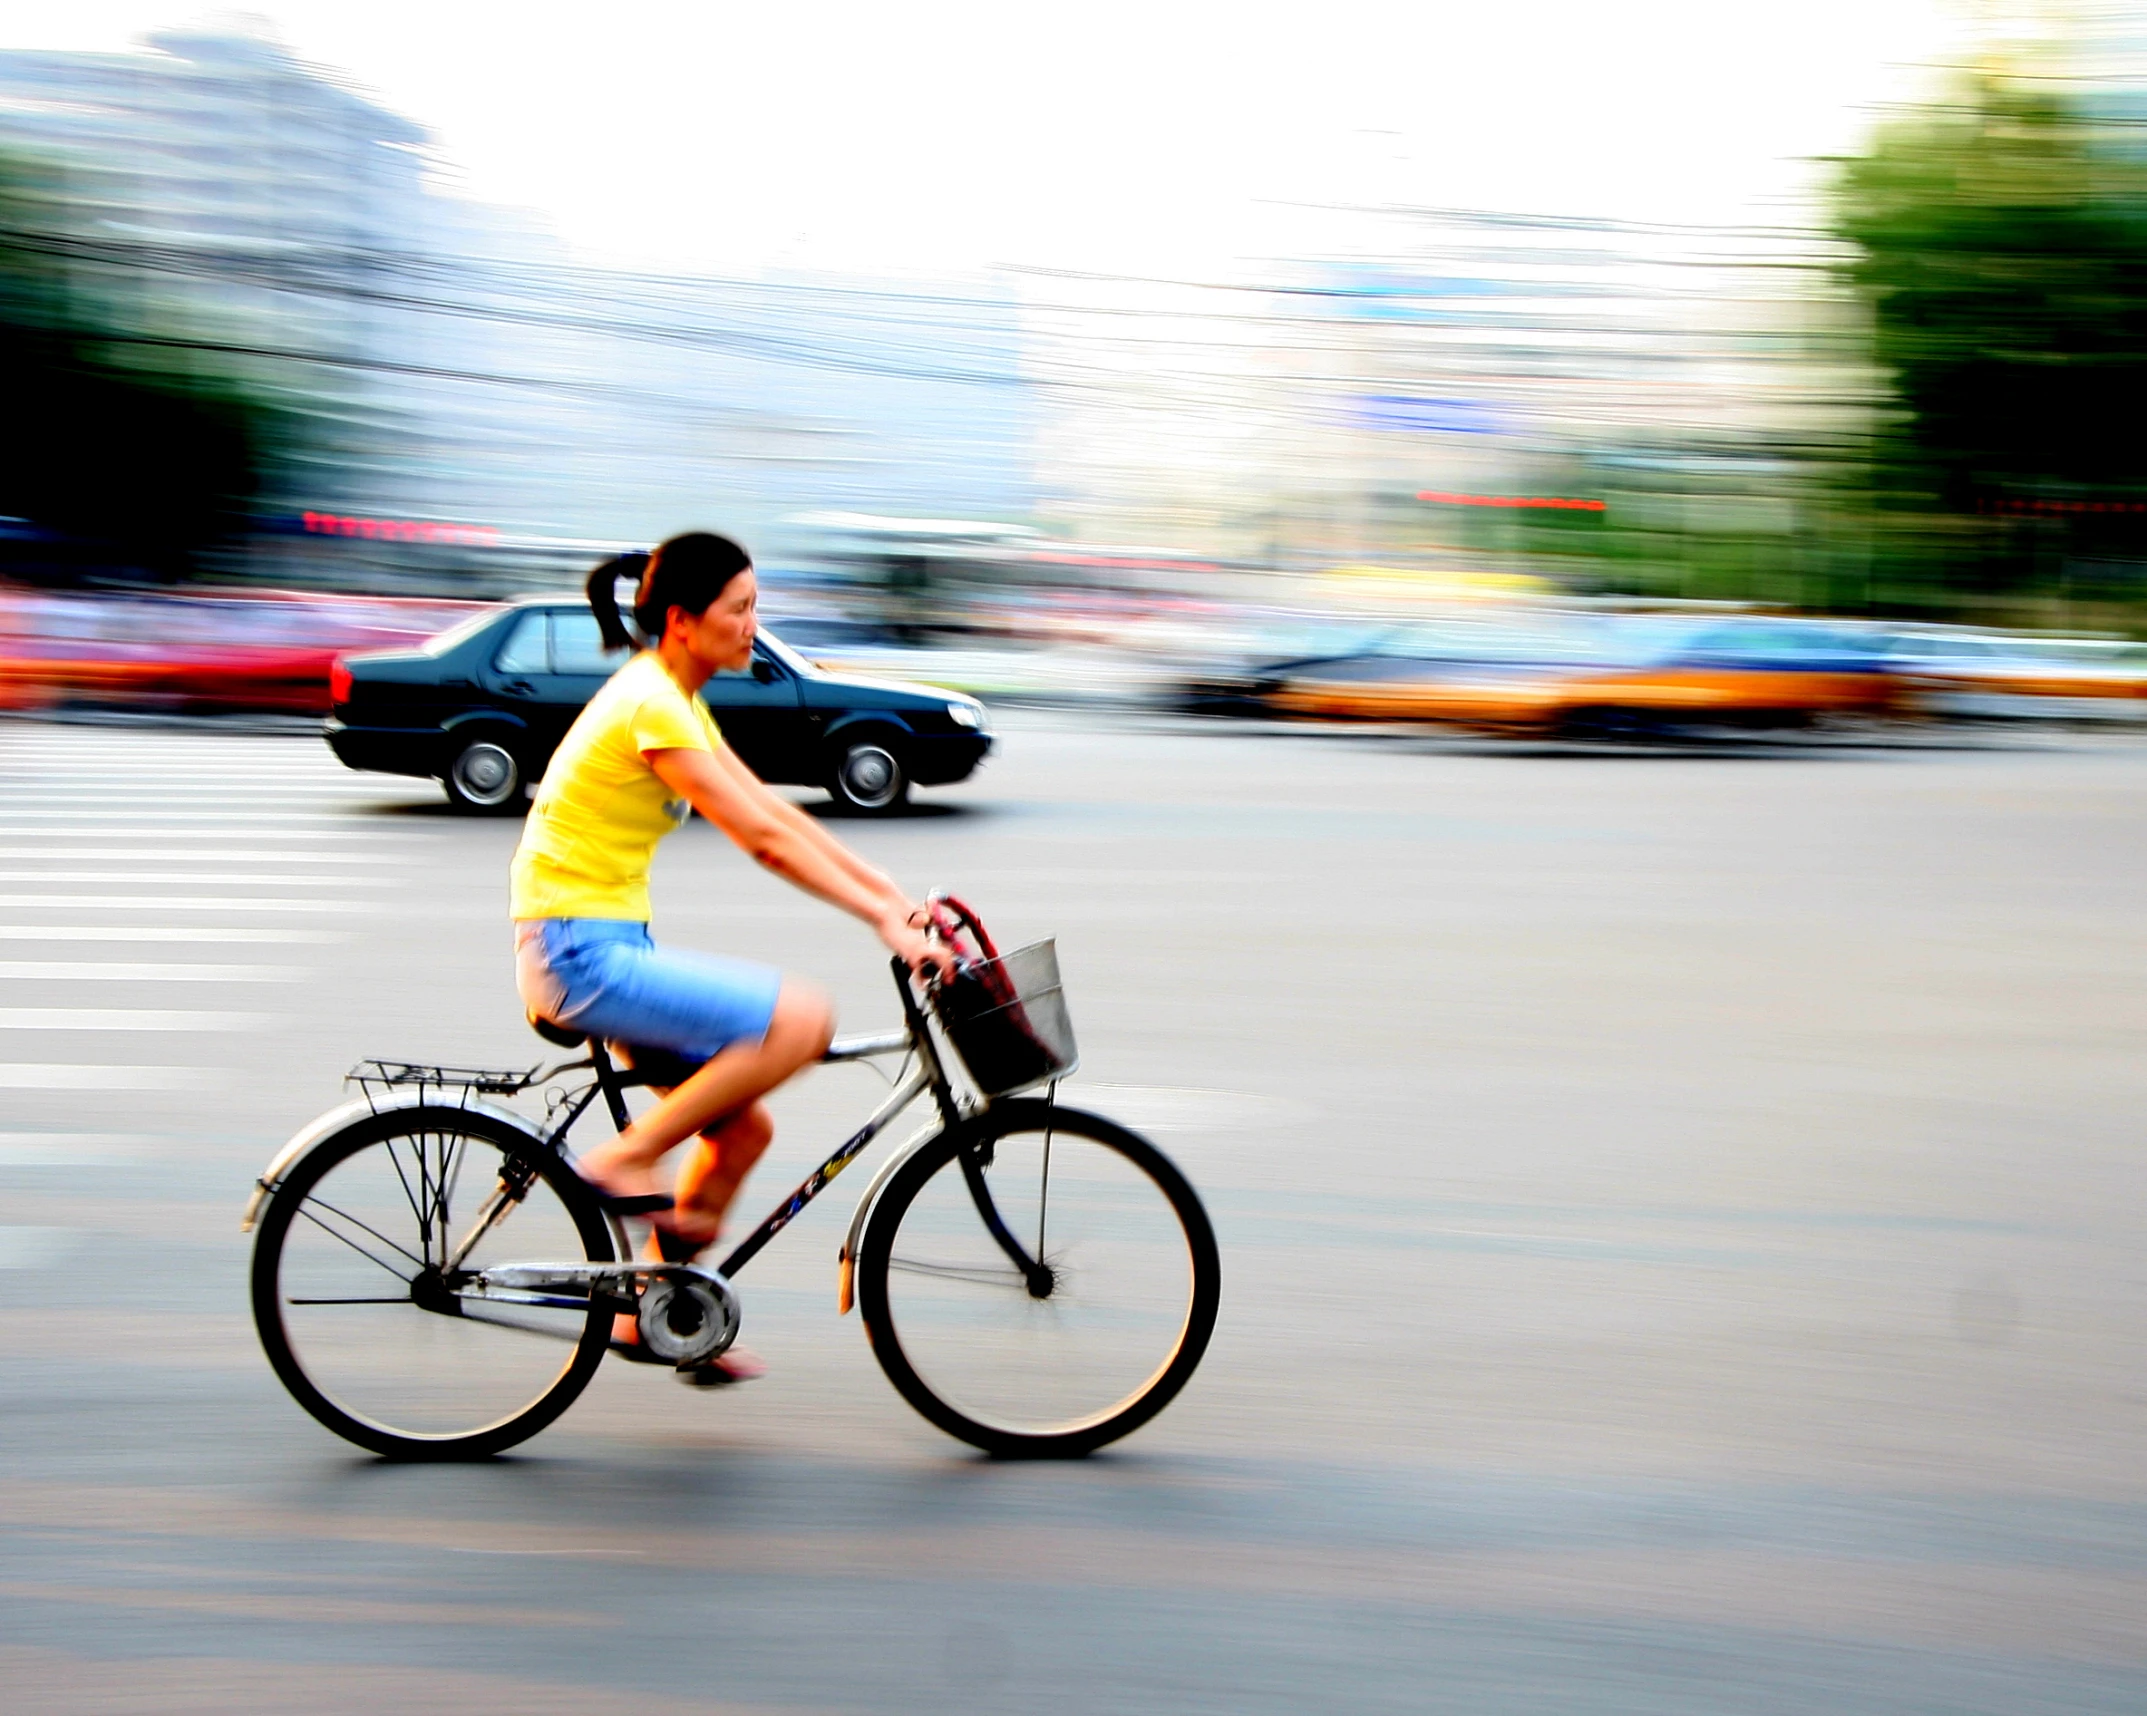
[(603, 589), (687, 572)]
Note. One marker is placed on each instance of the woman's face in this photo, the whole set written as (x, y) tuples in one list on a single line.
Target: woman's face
[(720, 638)]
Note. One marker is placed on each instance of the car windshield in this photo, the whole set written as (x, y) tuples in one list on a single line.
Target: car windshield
[(787, 656), (440, 643)]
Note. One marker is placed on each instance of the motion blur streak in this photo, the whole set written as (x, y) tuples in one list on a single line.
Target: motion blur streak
[(210, 246), (1587, 764)]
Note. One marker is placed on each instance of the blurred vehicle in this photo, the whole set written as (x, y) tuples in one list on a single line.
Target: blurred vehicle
[(1239, 678), (482, 707), (1966, 675), (816, 634), (205, 652), (1006, 672), (1592, 677)]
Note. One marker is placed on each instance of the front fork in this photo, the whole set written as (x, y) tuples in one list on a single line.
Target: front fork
[(1035, 1272)]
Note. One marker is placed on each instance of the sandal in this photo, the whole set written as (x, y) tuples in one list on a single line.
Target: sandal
[(625, 1203), (723, 1370), (718, 1372), (675, 1247)]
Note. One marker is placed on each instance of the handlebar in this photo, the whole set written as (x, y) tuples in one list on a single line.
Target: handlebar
[(947, 919)]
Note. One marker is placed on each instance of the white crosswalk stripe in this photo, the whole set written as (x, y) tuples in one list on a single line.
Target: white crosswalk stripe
[(44, 1075), (166, 933), (126, 1019), (231, 878), (176, 903), (142, 971), (195, 855), (123, 841)]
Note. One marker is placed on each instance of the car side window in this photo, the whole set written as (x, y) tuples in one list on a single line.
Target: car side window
[(524, 652), (578, 647)]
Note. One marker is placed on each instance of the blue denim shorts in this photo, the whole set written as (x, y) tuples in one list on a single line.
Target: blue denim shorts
[(606, 976)]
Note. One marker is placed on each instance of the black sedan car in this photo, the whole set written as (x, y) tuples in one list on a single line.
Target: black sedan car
[(482, 706)]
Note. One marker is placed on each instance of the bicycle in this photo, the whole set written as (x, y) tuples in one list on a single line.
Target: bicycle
[(1051, 1345)]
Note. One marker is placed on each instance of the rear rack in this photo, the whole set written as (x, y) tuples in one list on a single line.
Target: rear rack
[(375, 1077)]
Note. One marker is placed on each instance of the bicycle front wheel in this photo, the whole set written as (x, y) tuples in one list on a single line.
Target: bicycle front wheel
[(372, 1331), (1039, 1281)]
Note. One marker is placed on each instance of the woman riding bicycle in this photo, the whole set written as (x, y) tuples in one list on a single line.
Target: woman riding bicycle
[(642, 753)]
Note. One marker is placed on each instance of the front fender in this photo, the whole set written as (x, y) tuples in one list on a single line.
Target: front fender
[(319, 1130), (868, 718), (846, 1258)]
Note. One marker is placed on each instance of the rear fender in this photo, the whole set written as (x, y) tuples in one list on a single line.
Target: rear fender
[(484, 718), (318, 1131)]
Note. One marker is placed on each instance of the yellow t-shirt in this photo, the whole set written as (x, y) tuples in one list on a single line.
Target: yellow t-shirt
[(601, 809)]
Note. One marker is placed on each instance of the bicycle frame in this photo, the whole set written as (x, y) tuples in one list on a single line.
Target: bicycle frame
[(526, 1281), (611, 1082), (929, 1074)]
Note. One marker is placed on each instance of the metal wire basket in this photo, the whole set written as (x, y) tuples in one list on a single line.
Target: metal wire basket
[(1006, 1018)]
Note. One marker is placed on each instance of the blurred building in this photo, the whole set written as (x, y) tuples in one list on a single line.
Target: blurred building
[(1301, 416), (458, 368)]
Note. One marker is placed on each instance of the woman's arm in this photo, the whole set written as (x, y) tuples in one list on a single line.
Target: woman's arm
[(778, 836), (869, 874)]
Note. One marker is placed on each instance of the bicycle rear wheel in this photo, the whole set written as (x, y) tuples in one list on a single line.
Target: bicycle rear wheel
[(1078, 1325), (370, 1334)]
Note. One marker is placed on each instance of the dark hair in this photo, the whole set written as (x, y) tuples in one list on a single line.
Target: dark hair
[(687, 572)]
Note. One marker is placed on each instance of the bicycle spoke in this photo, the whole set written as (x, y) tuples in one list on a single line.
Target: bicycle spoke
[(450, 1178), (1043, 1196), (445, 1156), (396, 1162), (430, 1148), (1009, 1349), (315, 1200), (305, 1209), (983, 1274), (459, 1373)]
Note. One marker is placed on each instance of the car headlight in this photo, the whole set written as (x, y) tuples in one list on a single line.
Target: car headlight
[(970, 715)]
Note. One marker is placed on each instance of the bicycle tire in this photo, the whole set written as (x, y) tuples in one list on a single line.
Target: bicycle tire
[(339, 1149), (991, 1133)]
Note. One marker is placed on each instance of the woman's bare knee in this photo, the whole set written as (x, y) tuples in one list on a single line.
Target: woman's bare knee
[(804, 1021)]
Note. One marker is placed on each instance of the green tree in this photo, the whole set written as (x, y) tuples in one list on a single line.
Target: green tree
[(133, 445), (1999, 244)]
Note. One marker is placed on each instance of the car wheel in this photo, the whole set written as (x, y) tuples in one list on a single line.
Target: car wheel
[(1610, 725), (485, 779), (868, 776)]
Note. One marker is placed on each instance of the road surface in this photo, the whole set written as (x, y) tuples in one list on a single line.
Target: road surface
[(1682, 1216)]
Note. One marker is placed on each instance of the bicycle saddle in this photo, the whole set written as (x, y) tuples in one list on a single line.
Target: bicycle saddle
[(657, 1067), (553, 1032)]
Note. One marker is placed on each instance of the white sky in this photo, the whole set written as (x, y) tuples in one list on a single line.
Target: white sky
[(1139, 136)]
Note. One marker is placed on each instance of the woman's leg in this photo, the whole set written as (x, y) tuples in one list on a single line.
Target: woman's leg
[(731, 1084), (715, 1165), (710, 1172)]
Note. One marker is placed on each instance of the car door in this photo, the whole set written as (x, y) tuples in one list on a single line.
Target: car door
[(516, 678), (580, 662), (546, 669), (759, 712)]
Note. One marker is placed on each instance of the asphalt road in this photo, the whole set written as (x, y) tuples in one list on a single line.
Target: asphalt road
[(1682, 1222)]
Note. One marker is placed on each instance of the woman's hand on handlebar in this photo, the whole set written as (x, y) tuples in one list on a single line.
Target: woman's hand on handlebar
[(904, 930)]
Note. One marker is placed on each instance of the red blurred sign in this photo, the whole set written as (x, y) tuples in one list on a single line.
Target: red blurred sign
[(400, 529), (1561, 503)]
